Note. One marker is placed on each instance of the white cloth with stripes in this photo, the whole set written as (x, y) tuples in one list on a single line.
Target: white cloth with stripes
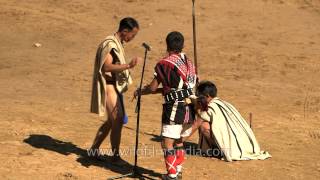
[(233, 135)]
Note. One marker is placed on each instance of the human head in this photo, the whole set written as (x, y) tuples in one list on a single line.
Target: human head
[(175, 41), (128, 29), (207, 89)]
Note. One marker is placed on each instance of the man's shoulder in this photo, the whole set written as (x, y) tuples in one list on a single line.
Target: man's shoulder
[(168, 58), (109, 39), (110, 42), (162, 60), (110, 36)]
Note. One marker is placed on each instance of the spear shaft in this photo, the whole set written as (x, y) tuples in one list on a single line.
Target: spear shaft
[(194, 37)]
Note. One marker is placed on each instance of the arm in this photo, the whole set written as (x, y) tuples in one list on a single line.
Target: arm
[(109, 67), (151, 88)]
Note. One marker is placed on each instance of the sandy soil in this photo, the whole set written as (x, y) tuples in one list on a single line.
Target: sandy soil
[(263, 55)]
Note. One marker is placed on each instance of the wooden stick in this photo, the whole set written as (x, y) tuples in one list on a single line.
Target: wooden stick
[(250, 119), (194, 37)]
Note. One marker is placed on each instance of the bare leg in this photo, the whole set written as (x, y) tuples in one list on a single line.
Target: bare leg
[(112, 108), (169, 156), (117, 124), (102, 133), (180, 154), (206, 131), (179, 142), (195, 126), (167, 143)]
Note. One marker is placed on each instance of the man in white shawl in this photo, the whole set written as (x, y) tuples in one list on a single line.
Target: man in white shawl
[(111, 78), (223, 131)]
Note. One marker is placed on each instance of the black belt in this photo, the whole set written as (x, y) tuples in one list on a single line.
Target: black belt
[(177, 95)]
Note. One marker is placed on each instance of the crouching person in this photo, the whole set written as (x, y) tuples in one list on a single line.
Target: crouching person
[(223, 132)]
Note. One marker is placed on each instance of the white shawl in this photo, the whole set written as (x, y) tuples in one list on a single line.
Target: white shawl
[(232, 133), (123, 79)]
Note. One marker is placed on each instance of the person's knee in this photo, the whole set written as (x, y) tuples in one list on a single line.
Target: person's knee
[(205, 128), (179, 142), (105, 125), (114, 114), (116, 118), (197, 123), (118, 114), (206, 133), (205, 125), (167, 143)]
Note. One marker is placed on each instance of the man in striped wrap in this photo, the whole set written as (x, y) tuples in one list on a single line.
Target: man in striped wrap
[(223, 131), (177, 75)]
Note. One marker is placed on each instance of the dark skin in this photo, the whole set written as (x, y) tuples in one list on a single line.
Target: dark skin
[(200, 123), (124, 36), (114, 107), (204, 126), (152, 88)]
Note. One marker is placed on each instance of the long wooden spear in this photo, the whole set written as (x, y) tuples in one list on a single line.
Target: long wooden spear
[(194, 37)]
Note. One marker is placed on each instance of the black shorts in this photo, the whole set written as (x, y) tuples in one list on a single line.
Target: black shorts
[(177, 113)]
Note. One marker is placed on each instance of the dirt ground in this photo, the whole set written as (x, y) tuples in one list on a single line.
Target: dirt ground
[(263, 55)]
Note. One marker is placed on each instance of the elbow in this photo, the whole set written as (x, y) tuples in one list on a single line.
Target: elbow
[(106, 68), (153, 86), (153, 89)]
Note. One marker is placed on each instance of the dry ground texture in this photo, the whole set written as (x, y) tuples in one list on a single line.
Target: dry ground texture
[(263, 55)]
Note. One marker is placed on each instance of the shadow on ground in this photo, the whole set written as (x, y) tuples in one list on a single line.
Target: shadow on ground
[(65, 148), (190, 147)]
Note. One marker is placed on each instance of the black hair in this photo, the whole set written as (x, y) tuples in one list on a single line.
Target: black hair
[(207, 88), (175, 41), (128, 23)]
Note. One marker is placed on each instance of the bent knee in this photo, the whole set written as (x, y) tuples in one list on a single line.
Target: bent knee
[(205, 128)]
